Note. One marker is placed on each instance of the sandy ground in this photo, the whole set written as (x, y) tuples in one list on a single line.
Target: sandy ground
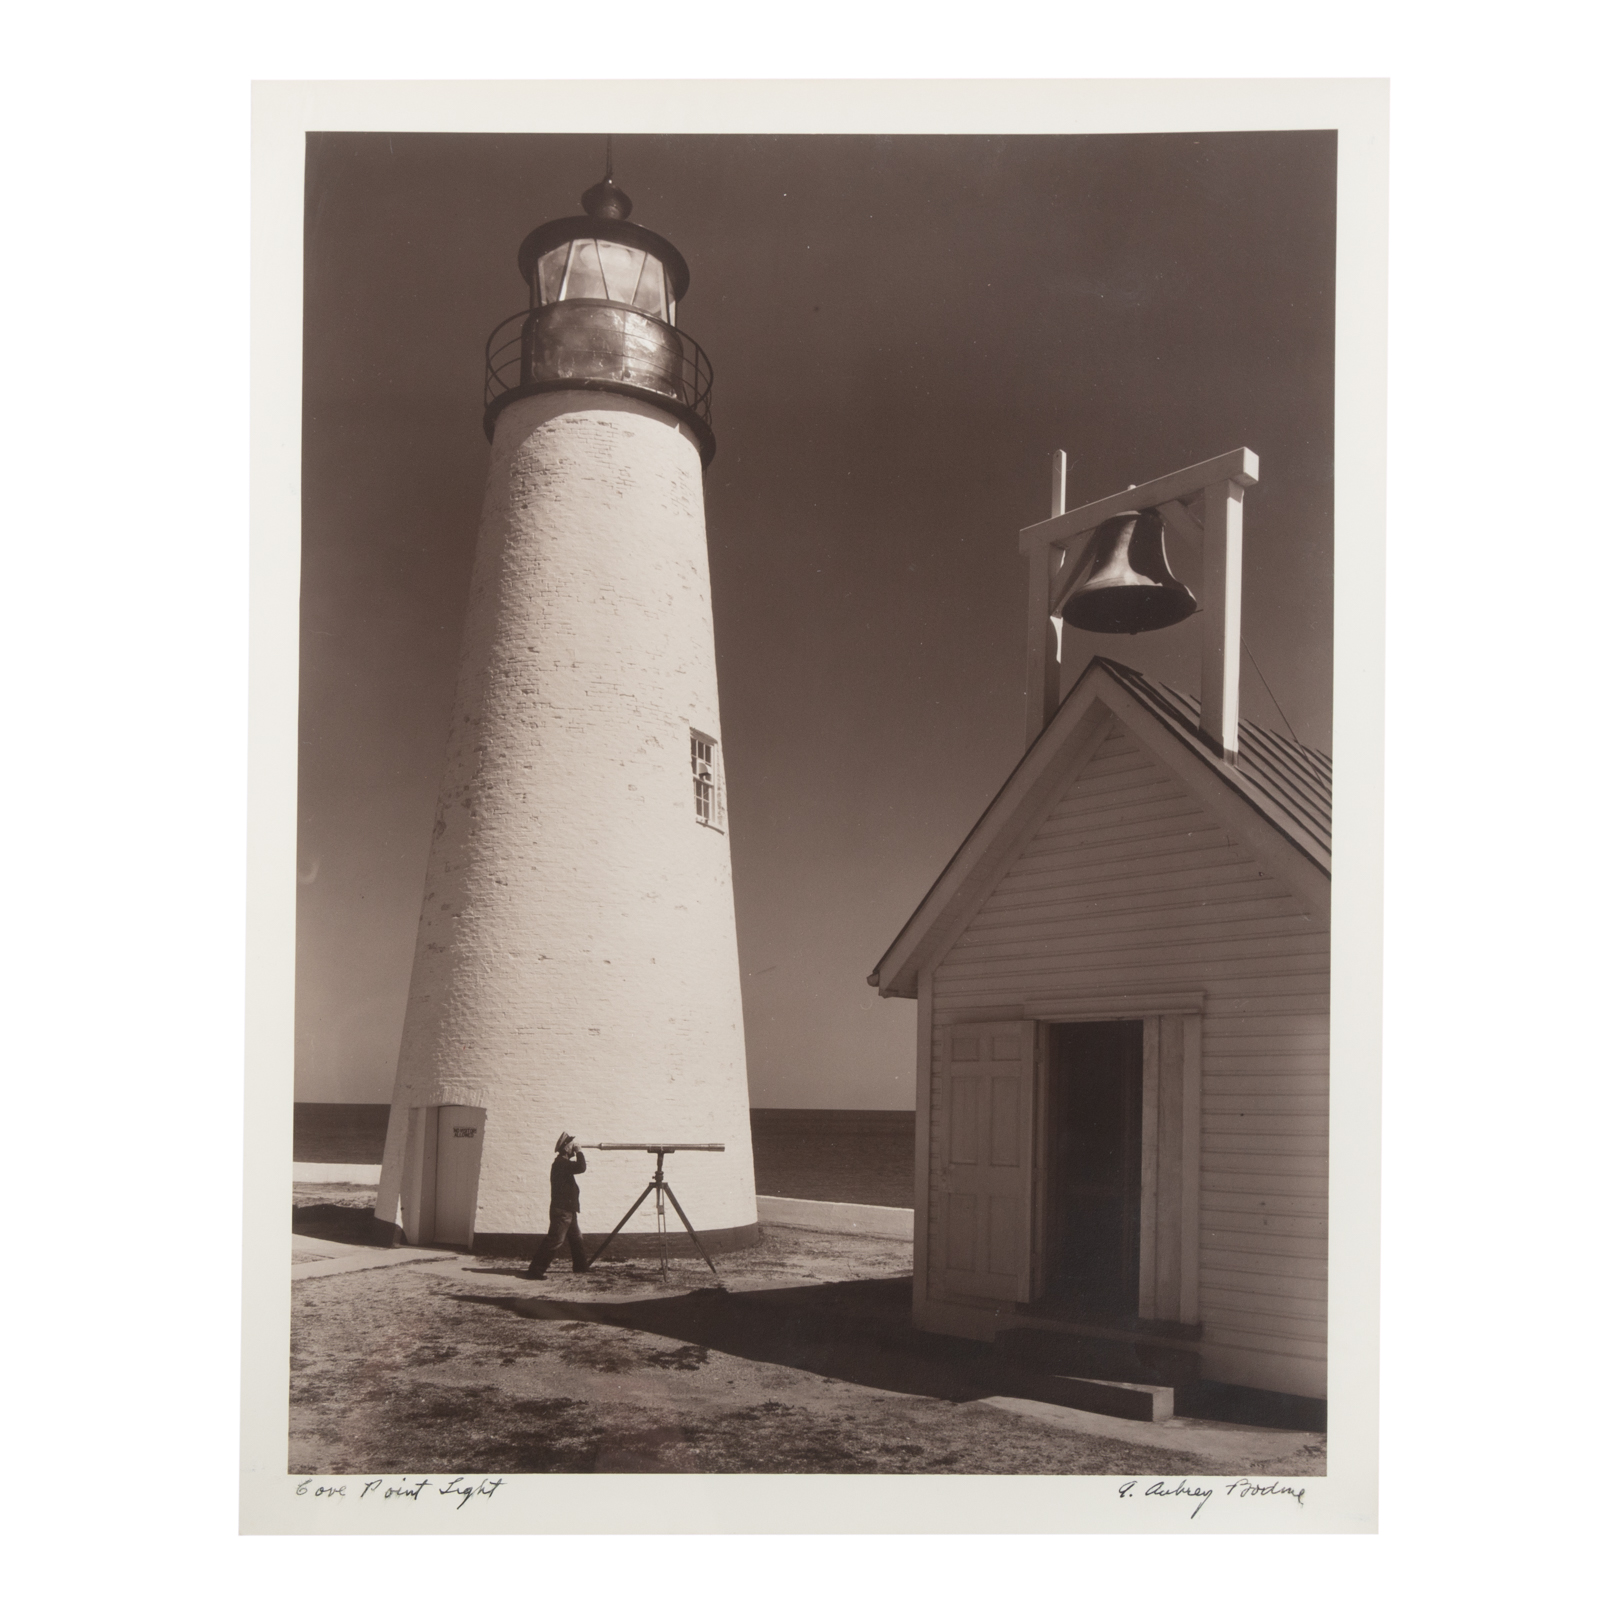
[(804, 1361)]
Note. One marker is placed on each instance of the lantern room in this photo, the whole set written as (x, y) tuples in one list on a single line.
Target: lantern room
[(603, 297), (603, 256)]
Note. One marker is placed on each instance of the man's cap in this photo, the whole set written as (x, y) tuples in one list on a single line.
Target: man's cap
[(563, 1142)]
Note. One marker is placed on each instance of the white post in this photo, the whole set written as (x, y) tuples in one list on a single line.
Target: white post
[(1043, 692), (1042, 685), (1219, 659)]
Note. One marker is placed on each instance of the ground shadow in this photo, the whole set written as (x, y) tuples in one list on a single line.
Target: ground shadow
[(336, 1223), (858, 1332), (855, 1332)]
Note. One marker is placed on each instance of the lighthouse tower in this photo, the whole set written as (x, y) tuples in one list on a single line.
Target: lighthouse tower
[(576, 965)]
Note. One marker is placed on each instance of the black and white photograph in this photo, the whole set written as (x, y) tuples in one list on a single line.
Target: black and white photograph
[(814, 815), (679, 910)]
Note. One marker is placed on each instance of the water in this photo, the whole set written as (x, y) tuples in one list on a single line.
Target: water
[(863, 1157)]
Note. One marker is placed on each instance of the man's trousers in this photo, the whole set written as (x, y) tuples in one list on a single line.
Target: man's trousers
[(563, 1229)]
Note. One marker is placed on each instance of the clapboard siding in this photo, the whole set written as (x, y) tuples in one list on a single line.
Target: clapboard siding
[(1217, 887), (1277, 1101), (1226, 1280), (1250, 1255), (1121, 929), (1264, 1199), (1260, 1224), (1135, 866), (1282, 1185), (1225, 1240), (1162, 945), (1255, 1320), (1164, 967), (1239, 1123), (1237, 1029), (1250, 1070), (1130, 885), (1236, 1083), (1276, 1166), (1269, 1340), (1264, 1144), (1305, 1307)]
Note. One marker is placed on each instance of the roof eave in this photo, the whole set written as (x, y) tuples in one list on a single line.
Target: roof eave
[(896, 975)]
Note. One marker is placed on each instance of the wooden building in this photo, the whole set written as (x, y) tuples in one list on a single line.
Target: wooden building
[(1122, 983)]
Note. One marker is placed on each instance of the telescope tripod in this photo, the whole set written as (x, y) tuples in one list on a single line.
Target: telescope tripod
[(659, 1186)]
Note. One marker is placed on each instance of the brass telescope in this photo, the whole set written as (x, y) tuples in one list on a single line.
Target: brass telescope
[(659, 1185), (661, 1149)]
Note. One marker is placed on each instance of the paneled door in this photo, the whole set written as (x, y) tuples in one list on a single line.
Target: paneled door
[(983, 1177)]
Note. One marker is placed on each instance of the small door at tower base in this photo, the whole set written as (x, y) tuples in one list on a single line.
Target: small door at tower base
[(459, 1154), (445, 1154)]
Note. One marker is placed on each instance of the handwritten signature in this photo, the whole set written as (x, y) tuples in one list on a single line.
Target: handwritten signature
[(1242, 1488), (404, 1489)]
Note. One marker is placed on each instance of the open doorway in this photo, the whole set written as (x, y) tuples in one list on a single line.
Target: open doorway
[(1093, 1143)]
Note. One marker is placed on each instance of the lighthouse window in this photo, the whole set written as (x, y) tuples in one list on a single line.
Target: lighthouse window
[(651, 294), (707, 780), (584, 280), (597, 269), (552, 268), (621, 267)]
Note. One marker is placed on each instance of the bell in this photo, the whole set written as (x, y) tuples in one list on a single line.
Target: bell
[(1124, 584)]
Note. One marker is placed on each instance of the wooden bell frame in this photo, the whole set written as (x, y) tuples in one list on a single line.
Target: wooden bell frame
[(1203, 502)]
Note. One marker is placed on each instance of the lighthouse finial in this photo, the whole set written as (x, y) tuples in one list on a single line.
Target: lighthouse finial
[(605, 199)]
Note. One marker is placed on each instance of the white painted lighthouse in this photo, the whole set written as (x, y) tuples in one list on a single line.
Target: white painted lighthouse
[(576, 965)]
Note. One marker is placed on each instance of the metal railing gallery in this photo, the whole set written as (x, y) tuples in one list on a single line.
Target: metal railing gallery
[(595, 342)]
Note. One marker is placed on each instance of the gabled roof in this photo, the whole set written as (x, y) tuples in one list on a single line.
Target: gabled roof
[(1285, 785), (1289, 784)]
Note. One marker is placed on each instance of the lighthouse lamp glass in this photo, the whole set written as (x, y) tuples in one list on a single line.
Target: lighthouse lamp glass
[(598, 269)]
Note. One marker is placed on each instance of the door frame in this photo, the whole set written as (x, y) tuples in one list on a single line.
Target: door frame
[(1169, 1178), (419, 1184), (1048, 1161)]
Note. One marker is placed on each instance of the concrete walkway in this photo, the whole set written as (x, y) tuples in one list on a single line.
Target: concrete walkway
[(835, 1216), (1222, 1442), (323, 1258)]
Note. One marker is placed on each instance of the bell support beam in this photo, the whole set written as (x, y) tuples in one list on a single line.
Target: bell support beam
[(1219, 648), (1179, 517), (1237, 466), (1215, 488), (1043, 693)]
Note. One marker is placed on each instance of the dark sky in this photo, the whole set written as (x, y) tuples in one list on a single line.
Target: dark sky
[(903, 329)]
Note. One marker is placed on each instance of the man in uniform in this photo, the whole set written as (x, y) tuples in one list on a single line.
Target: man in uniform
[(564, 1170)]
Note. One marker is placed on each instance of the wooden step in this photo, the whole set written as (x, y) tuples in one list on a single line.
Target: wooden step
[(1141, 1402), (1127, 1356)]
